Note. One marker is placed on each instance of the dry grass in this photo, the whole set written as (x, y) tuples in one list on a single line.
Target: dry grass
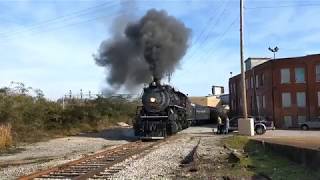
[(5, 136)]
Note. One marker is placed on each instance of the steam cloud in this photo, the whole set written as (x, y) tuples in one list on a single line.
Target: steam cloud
[(149, 48)]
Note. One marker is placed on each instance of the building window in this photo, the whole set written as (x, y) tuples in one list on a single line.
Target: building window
[(251, 103), (301, 99), (285, 75), (247, 84), (318, 98), (299, 75), (287, 121), (318, 72), (251, 82), (261, 81), (301, 119), (264, 101), (258, 102), (286, 99), (257, 81)]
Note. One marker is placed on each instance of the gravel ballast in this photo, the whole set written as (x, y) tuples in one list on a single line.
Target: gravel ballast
[(164, 161), (161, 162), (58, 151)]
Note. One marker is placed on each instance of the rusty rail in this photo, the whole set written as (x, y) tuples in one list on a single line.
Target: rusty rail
[(97, 166)]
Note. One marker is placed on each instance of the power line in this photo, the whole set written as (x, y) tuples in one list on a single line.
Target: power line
[(207, 37), (220, 37), (197, 38), (73, 24), (214, 24), (59, 19), (65, 18), (75, 14), (204, 29), (282, 6)]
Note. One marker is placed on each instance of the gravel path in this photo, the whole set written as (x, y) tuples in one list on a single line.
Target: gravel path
[(164, 161), (58, 151), (299, 138)]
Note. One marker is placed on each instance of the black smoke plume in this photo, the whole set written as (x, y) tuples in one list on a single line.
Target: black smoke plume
[(149, 48)]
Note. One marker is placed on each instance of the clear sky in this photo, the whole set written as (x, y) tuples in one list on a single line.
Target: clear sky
[(48, 44)]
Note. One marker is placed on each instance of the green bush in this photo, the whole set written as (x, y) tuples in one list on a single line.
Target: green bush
[(34, 118)]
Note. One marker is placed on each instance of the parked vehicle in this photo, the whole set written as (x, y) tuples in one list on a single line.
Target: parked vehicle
[(261, 125), (312, 124)]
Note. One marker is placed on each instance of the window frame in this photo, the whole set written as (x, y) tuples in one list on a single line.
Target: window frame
[(304, 75), (304, 105), (261, 81), (281, 75), (282, 100), (318, 97), (247, 84), (317, 67)]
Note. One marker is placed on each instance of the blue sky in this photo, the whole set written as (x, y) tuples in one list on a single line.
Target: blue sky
[(48, 44)]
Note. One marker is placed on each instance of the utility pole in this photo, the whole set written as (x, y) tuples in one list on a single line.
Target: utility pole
[(245, 124), (243, 90)]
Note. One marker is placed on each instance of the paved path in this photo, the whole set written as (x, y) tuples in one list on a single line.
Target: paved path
[(299, 138)]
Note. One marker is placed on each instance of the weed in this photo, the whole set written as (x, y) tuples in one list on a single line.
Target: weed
[(261, 162), (5, 136)]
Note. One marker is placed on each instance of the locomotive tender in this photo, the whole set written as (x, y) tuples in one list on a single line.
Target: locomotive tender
[(165, 111)]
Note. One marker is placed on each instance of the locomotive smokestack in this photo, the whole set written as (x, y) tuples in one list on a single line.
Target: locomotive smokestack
[(156, 80), (146, 49)]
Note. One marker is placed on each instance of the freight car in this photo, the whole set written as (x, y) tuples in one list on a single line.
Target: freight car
[(165, 111)]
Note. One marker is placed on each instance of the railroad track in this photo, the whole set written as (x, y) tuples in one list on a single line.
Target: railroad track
[(98, 166)]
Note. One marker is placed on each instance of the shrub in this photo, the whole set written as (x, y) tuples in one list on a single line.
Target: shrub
[(33, 118)]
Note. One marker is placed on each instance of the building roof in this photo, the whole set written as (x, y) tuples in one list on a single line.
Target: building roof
[(257, 58), (277, 59)]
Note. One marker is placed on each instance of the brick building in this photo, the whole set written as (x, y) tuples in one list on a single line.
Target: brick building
[(285, 90)]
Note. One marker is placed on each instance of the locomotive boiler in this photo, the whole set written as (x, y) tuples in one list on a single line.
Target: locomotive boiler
[(164, 112)]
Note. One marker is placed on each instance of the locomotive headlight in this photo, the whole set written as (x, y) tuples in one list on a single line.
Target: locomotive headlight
[(152, 99)]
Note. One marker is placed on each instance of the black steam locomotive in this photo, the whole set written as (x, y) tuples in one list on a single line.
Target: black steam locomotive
[(165, 111)]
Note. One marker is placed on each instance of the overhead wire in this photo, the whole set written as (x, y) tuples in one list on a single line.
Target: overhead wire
[(219, 38), (57, 20), (62, 19), (73, 24), (281, 6), (208, 34)]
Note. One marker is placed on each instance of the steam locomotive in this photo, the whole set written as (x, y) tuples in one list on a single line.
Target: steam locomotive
[(165, 111)]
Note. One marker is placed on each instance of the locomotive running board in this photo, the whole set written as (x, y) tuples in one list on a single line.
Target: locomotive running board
[(146, 138), (153, 117)]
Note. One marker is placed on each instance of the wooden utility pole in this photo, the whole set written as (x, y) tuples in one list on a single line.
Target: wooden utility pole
[(243, 83)]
